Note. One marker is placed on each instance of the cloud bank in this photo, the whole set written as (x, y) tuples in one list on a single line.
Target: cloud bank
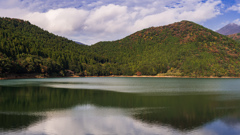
[(93, 21)]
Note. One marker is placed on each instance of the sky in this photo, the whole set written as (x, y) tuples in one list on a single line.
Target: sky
[(91, 21)]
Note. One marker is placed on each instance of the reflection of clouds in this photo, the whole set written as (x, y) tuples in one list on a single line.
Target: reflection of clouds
[(219, 127), (88, 119), (232, 120), (91, 120)]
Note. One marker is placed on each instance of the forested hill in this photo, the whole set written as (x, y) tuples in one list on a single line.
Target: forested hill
[(26, 48), (235, 36), (179, 49), (182, 48)]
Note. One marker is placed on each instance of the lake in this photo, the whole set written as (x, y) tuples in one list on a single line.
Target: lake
[(124, 106)]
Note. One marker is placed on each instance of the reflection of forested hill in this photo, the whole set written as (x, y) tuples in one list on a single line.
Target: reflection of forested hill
[(17, 121), (181, 111)]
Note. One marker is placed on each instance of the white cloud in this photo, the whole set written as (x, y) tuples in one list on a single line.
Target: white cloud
[(90, 22), (234, 8), (197, 12), (60, 20), (237, 21), (110, 18), (202, 12)]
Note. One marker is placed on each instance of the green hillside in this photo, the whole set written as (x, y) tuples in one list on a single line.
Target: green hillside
[(25, 48), (179, 49), (182, 48)]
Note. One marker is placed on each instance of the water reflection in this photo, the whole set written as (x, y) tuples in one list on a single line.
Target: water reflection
[(36, 109), (16, 121), (88, 119), (134, 85), (224, 126)]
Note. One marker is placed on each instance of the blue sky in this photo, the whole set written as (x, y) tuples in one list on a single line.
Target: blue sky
[(91, 21)]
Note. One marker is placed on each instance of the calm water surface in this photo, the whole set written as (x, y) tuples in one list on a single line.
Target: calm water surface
[(68, 106)]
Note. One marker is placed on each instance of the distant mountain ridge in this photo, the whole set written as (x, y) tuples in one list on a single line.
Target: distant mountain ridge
[(229, 29)]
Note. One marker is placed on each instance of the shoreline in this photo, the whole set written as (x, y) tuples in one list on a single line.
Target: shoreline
[(34, 76), (146, 76)]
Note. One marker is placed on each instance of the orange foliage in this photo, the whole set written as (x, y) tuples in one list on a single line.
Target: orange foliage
[(138, 73)]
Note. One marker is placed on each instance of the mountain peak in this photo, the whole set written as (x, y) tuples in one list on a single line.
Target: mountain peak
[(229, 29), (184, 31), (232, 24)]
